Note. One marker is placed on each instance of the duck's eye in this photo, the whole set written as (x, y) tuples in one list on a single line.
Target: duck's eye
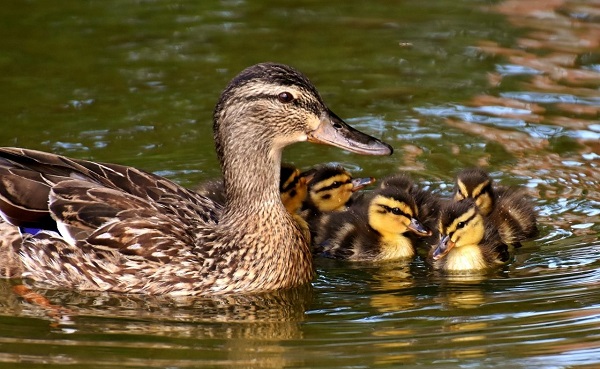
[(396, 211), (285, 97), (460, 225)]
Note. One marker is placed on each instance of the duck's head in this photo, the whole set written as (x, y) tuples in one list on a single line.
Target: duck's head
[(392, 212), (331, 187), (269, 106), (293, 187), (475, 184), (461, 224)]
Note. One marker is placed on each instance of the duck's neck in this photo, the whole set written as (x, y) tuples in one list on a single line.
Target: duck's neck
[(250, 162)]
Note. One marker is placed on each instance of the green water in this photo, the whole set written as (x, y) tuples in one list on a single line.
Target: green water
[(449, 84)]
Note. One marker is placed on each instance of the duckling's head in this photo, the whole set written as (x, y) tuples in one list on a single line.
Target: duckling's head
[(461, 224), (293, 187), (269, 106), (393, 212), (331, 187), (476, 184), (401, 181)]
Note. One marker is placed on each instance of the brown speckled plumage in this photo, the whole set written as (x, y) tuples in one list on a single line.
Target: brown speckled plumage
[(125, 230)]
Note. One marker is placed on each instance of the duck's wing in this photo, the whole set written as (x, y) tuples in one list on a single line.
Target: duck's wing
[(112, 223), (84, 191)]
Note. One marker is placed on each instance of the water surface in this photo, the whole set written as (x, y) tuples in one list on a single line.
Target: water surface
[(512, 86)]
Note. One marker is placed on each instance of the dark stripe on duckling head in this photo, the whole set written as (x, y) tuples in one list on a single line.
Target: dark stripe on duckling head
[(335, 182), (324, 172), (289, 177), (456, 215), (396, 201), (400, 196), (470, 183)]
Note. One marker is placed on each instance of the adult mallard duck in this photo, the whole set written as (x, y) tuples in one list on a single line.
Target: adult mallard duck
[(378, 230), (118, 228), (509, 208), (468, 240)]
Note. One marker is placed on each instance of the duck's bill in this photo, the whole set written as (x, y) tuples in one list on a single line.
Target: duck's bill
[(360, 183), (335, 132), (442, 248), (417, 228)]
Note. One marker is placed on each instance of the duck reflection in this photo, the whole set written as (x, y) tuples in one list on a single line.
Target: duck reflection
[(391, 281), (246, 328)]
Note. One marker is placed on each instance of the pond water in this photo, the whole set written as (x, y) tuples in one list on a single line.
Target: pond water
[(513, 86)]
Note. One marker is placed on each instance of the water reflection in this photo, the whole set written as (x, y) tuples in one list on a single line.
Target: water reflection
[(243, 329)]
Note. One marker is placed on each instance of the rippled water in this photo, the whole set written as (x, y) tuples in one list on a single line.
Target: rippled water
[(512, 86)]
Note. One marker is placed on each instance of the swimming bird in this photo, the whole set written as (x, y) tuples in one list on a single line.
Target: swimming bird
[(108, 227), (510, 208), (428, 203), (469, 241), (330, 189), (379, 230)]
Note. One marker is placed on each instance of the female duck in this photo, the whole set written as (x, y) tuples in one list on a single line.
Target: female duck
[(468, 240), (122, 229), (379, 231)]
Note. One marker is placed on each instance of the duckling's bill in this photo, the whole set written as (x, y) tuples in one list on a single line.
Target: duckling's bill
[(360, 183), (332, 130), (443, 248), (419, 229)]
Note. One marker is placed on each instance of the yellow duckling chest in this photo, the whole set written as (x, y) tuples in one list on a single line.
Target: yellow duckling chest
[(465, 258), (395, 247)]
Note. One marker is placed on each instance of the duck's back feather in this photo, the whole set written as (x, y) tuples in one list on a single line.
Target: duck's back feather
[(108, 216)]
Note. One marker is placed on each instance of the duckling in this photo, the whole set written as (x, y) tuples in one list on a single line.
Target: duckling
[(331, 188), (293, 186), (428, 203), (125, 230), (508, 207), (468, 240), (375, 232)]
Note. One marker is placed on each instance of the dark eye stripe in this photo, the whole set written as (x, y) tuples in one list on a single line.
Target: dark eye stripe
[(466, 221), (390, 210), (336, 184)]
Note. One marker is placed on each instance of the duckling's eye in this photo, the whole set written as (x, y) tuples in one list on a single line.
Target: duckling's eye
[(285, 97), (460, 225), (396, 211)]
